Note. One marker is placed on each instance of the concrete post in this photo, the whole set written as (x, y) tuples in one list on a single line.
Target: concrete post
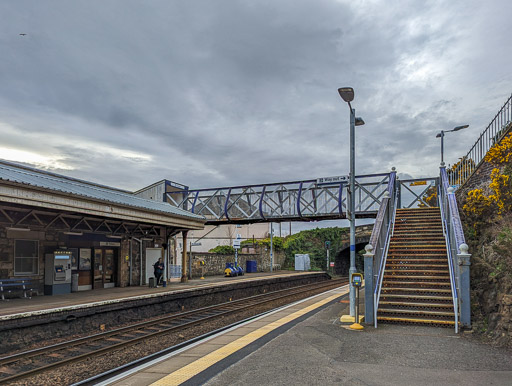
[(184, 276), (464, 262), (368, 284)]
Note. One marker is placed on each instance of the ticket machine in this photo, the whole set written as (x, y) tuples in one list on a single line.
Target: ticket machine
[(57, 273)]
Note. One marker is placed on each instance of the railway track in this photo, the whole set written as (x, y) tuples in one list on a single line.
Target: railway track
[(32, 362)]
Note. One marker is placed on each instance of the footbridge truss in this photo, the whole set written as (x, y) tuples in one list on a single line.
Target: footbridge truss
[(307, 200)]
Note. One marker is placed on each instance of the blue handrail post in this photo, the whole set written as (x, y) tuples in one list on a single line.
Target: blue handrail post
[(368, 284), (464, 262)]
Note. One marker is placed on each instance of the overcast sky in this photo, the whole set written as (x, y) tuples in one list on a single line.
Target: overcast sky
[(217, 93)]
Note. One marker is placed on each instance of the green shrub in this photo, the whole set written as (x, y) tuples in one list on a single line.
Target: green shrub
[(223, 250)]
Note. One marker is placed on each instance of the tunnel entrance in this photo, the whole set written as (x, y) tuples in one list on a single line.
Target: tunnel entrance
[(342, 260)]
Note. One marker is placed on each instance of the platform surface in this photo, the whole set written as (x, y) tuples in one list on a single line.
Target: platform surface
[(38, 304), (316, 349)]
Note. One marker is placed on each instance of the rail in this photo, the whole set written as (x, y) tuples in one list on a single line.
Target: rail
[(442, 199), (492, 134), (379, 240)]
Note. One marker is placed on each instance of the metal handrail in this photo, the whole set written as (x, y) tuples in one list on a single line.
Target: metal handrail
[(441, 200), (380, 276), (491, 135)]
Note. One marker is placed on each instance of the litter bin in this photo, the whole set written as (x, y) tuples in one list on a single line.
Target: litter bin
[(152, 282), (74, 282), (251, 266)]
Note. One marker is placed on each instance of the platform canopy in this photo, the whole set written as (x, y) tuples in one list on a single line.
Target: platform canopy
[(40, 200)]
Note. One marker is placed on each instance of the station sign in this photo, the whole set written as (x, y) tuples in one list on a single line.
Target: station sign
[(336, 180), (331, 264), (236, 243)]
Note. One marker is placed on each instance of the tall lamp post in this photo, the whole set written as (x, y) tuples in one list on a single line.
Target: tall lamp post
[(347, 94), (441, 135)]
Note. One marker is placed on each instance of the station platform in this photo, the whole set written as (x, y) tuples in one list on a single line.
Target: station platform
[(306, 344), (44, 305)]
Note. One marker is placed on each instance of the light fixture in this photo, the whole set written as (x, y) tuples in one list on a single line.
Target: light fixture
[(74, 233), (114, 237), (18, 229)]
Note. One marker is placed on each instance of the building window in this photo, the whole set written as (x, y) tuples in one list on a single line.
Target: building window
[(26, 257)]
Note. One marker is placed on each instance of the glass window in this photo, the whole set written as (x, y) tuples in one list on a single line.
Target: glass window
[(26, 257)]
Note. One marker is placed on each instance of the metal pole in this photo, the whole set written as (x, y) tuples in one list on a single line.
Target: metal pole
[(352, 209), (271, 246), (442, 146), (327, 269), (190, 262)]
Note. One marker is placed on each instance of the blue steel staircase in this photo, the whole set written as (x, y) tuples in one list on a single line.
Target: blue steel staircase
[(416, 285)]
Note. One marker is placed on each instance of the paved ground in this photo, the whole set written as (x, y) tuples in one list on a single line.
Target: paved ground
[(320, 351)]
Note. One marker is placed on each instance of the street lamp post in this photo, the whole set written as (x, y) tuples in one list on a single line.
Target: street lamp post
[(441, 135), (347, 94)]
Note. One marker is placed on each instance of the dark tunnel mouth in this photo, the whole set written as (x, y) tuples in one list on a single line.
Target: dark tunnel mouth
[(342, 260)]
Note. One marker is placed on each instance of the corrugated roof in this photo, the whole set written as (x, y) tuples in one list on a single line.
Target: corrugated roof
[(13, 172)]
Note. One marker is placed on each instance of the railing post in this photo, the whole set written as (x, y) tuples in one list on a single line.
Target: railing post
[(464, 261), (368, 284)]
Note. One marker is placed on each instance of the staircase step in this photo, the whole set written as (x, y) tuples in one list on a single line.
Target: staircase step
[(405, 289), (418, 297), (415, 312), (415, 304), (418, 277), (414, 260), (418, 283), (415, 321), (407, 266)]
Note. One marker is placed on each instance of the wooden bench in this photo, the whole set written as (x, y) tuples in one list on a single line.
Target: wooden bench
[(21, 285)]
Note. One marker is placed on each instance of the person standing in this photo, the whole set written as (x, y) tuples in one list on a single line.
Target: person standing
[(159, 270)]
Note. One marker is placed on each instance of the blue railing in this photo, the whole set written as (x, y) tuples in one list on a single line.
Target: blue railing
[(382, 232), (442, 199), (498, 127)]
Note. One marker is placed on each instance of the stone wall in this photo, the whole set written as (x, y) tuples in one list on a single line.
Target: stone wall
[(216, 263)]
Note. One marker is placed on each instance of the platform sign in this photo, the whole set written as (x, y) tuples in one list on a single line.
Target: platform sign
[(336, 180), (236, 244), (331, 264)]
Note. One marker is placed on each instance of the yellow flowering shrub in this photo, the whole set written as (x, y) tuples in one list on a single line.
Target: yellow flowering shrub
[(501, 152), (430, 197), (501, 185), (460, 170), (477, 204)]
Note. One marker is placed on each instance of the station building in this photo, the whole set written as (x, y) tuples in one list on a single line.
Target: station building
[(111, 236)]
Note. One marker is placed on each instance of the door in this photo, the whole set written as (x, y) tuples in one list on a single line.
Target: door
[(98, 268), (105, 267), (152, 256), (109, 268)]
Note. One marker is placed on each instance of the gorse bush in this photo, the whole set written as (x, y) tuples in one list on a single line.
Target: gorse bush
[(501, 152)]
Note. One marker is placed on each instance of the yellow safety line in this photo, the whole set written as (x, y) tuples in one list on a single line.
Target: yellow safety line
[(201, 364)]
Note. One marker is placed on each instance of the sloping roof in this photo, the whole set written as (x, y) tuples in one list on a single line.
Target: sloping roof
[(13, 172)]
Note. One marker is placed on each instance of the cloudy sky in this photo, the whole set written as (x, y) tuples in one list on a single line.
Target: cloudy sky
[(222, 92)]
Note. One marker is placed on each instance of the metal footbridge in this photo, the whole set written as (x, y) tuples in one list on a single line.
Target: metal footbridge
[(306, 200)]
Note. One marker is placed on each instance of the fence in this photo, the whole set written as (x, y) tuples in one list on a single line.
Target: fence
[(498, 127)]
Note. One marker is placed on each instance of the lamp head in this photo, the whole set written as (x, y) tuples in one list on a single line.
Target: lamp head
[(439, 135), (359, 121), (460, 127), (346, 93)]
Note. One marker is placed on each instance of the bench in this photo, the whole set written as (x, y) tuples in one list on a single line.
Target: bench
[(22, 285)]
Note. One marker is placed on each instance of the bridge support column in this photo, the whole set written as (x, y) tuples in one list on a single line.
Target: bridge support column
[(368, 284), (184, 276), (464, 262)]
